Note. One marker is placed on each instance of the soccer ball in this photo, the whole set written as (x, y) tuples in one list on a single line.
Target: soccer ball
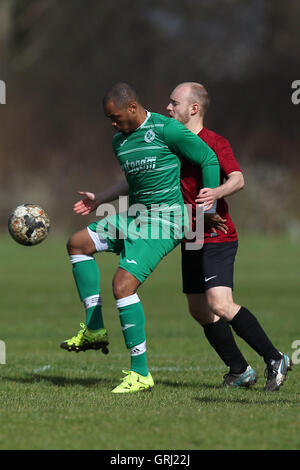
[(28, 224)]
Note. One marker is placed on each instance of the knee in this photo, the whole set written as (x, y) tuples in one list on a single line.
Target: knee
[(221, 309), (195, 313), (198, 308), (118, 290), (123, 286), (73, 245), (70, 245), (121, 289), (80, 244), (201, 316)]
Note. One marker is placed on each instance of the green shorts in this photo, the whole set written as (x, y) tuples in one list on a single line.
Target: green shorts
[(139, 252)]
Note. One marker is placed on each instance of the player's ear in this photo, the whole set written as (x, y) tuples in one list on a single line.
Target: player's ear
[(133, 107), (195, 108)]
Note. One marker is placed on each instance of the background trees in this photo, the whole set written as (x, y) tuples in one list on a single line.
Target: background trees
[(58, 58)]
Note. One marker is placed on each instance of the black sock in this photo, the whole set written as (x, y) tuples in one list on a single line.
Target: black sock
[(220, 337), (248, 328)]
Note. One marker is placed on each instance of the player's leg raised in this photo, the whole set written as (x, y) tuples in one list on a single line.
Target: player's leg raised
[(92, 334)]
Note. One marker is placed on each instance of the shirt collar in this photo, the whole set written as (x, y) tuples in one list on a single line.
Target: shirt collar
[(148, 114)]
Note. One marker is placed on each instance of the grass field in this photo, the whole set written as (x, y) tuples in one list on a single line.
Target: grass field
[(52, 399)]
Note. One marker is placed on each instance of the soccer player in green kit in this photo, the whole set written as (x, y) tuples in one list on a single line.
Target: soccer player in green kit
[(149, 147)]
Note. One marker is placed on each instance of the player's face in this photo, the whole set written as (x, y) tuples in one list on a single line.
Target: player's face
[(122, 119), (179, 107)]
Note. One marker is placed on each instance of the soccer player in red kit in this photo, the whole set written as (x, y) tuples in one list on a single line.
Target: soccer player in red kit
[(208, 273)]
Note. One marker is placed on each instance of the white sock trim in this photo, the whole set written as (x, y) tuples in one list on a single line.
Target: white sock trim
[(78, 258), (138, 349), (92, 301), (125, 301), (100, 243)]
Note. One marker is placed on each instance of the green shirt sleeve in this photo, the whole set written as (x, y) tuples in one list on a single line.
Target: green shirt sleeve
[(188, 145)]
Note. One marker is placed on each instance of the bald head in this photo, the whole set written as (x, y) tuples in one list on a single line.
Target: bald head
[(194, 93), (188, 104)]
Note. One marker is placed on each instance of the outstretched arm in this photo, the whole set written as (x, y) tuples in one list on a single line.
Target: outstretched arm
[(91, 201)]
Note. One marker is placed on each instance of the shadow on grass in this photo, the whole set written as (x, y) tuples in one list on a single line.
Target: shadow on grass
[(253, 396), (60, 381), (255, 400), (169, 383)]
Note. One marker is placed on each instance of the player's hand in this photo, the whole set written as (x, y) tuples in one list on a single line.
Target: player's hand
[(86, 205), (215, 222), (207, 197)]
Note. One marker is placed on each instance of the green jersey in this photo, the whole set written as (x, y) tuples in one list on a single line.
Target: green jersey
[(150, 158)]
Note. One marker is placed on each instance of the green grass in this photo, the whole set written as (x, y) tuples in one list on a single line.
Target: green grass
[(52, 399)]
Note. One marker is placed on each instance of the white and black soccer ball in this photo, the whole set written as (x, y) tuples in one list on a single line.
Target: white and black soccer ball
[(28, 224)]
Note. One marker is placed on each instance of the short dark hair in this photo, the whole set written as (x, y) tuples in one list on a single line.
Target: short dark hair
[(121, 94)]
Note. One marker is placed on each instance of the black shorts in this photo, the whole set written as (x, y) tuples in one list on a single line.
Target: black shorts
[(211, 266)]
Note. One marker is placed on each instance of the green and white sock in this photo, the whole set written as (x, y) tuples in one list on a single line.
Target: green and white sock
[(139, 359), (132, 319), (87, 279)]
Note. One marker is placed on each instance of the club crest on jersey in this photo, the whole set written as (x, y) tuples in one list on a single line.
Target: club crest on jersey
[(149, 136)]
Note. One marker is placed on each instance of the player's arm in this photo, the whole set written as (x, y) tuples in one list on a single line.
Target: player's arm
[(112, 193), (230, 167), (188, 145), (91, 201), (234, 183)]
